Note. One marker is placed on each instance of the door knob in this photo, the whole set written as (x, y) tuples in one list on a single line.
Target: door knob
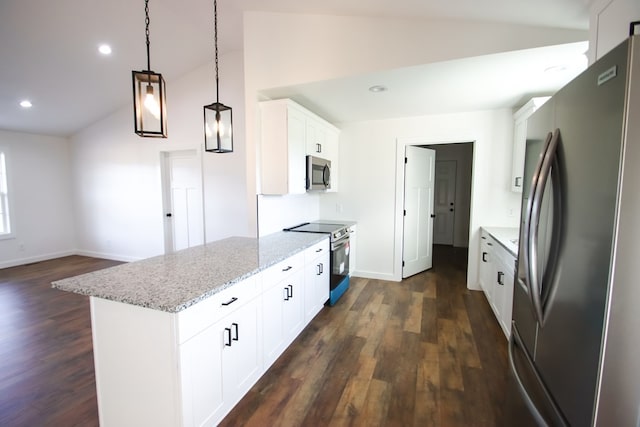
[(169, 215), (451, 210)]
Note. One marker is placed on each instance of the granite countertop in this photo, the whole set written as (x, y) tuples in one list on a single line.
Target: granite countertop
[(506, 236), (179, 280)]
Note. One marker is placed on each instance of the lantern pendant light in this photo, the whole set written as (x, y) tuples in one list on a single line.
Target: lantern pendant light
[(218, 132), (149, 96)]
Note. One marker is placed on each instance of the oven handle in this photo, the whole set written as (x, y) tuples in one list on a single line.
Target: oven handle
[(340, 243)]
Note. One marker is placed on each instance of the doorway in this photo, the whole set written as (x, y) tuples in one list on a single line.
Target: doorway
[(460, 152), (182, 200), (454, 172)]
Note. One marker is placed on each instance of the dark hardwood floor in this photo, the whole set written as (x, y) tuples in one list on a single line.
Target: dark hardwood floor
[(46, 357), (423, 352)]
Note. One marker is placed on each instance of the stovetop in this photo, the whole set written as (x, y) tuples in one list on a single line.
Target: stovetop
[(335, 230)]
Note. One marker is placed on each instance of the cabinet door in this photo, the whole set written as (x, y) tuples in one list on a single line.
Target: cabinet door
[(317, 284), (293, 305), (282, 156), (201, 367), (296, 129), (507, 303), (241, 355), (520, 140), (315, 139), (519, 143), (486, 265), (272, 324)]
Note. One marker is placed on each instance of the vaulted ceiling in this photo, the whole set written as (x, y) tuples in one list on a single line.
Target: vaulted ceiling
[(49, 48)]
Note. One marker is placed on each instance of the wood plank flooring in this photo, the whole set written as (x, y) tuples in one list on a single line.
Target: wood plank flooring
[(423, 352), (46, 357)]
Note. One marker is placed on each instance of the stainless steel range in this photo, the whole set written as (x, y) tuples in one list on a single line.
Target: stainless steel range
[(339, 264)]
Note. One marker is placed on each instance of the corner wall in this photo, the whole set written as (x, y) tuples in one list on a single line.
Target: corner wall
[(40, 197)]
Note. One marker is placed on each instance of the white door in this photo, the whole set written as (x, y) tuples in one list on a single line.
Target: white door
[(445, 196), (419, 172), (184, 215)]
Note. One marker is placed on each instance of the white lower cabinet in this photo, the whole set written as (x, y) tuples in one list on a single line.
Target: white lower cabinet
[(317, 271), (220, 364), (191, 368), (283, 304), (497, 271)]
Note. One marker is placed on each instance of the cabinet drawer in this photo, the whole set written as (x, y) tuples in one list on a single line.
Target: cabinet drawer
[(205, 313), (316, 251), (282, 270)]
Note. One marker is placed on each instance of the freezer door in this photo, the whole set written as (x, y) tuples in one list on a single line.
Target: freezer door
[(529, 402)]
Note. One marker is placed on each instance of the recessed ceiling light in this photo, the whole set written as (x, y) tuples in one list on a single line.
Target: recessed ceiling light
[(26, 104), (104, 49), (377, 88)]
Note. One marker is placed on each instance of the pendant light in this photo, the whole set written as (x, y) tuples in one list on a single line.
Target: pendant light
[(218, 132), (149, 96)]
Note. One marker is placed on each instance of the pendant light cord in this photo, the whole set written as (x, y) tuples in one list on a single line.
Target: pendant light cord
[(215, 38), (146, 21)]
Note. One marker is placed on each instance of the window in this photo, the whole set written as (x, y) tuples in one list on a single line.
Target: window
[(5, 224)]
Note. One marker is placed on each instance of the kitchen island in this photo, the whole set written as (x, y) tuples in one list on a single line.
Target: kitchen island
[(178, 339)]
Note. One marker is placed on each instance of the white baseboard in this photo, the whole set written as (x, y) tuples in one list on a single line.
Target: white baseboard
[(104, 255), (374, 275), (30, 260), (37, 258)]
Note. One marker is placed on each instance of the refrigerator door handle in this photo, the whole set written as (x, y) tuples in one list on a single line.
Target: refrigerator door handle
[(534, 218), (527, 234), (516, 340)]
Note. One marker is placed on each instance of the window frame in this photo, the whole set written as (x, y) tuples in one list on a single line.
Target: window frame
[(4, 150)]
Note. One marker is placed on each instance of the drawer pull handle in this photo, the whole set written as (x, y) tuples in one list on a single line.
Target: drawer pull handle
[(318, 250), (484, 257), (287, 269), (231, 301), (500, 274), (286, 293)]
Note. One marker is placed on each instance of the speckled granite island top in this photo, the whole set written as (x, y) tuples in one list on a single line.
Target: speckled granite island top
[(176, 281)]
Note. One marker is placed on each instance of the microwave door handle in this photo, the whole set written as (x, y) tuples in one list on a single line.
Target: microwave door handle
[(326, 175)]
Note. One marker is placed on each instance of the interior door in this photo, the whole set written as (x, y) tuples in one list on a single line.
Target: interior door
[(183, 205), (419, 184), (445, 196)]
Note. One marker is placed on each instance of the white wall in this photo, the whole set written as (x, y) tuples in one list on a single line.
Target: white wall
[(40, 183), (116, 174), (368, 185), (289, 49), (278, 212)]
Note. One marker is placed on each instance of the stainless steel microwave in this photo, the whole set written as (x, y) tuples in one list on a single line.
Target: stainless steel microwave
[(318, 173)]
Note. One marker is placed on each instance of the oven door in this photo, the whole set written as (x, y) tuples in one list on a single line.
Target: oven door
[(339, 261)]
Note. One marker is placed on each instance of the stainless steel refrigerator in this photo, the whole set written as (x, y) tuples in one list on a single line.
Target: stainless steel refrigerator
[(574, 351)]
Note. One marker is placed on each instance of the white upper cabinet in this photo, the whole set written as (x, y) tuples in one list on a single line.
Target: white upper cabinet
[(520, 140), (609, 25), (290, 132)]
